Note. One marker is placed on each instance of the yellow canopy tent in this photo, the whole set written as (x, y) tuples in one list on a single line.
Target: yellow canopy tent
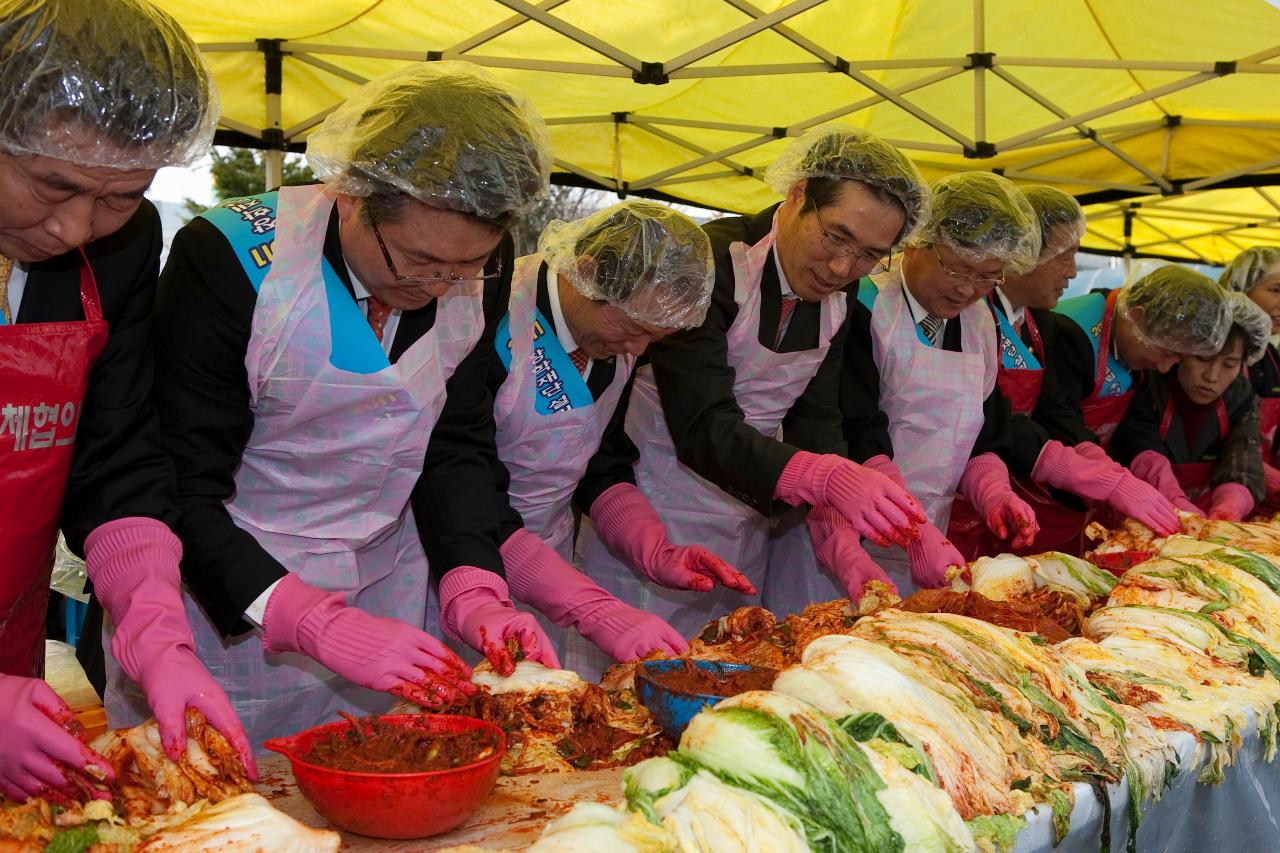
[(692, 99), (1210, 226)]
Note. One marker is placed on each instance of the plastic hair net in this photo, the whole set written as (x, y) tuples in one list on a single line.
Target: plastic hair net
[(981, 216), (1255, 322), (102, 83), (839, 151), (446, 133), (1247, 269), (652, 262), (1061, 218), (1176, 308)]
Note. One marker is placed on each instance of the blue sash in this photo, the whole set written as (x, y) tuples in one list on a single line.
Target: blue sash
[(1087, 312), (249, 225), (559, 384), (1014, 353)]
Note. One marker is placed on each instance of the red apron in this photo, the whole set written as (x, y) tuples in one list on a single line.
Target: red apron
[(1194, 476), (1269, 414), (44, 369), (968, 530)]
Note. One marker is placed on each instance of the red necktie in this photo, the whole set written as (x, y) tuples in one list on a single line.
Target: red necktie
[(580, 360), (378, 312), (789, 304)]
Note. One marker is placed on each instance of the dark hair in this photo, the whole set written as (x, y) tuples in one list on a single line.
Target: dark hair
[(821, 192), (1237, 333)]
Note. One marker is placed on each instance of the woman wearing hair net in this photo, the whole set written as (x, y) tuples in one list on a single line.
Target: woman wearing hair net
[(324, 352), (919, 390), (94, 98), (736, 420), (583, 309), (1106, 340), (1027, 334), (1203, 418), (1255, 272)]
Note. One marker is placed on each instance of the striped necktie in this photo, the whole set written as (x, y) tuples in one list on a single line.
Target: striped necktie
[(6, 267), (789, 304), (580, 360), (930, 326)]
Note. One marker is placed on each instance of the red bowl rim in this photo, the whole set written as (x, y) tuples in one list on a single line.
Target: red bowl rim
[(274, 744)]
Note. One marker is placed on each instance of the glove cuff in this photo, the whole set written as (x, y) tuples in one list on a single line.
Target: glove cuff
[(121, 554), (984, 471), (794, 472), (292, 605), (1233, 497), (1053, 466), (466, 585)]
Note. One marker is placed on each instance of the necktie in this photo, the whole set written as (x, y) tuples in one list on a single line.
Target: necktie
[(377, 314), (930, 326), (6, 267), (789, 304), (580, 360)]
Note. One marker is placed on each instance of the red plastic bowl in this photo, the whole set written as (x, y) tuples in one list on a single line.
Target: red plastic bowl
[(394, 805)]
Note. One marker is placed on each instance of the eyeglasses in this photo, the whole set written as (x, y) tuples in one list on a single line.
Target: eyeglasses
[(407, 280), (960, 275), (842, 247)]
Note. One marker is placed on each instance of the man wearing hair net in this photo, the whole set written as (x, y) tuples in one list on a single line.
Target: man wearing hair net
[(1255, 272), (919, 395), (1203, 418), (94, 98), (1106, 340), (736, 420), (1022, 308), (324, 351), (583, 310)]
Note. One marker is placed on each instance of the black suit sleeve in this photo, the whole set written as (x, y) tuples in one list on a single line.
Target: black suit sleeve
[(455, 499), (614, 461), (695, 384), (1140, 429), (1069, 380), (866, 428), (119, 468), (204, 315)]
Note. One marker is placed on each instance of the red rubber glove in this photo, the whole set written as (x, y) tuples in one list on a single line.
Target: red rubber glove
[(38, 753), (628, 524), (1230, 502), (879, 508), (133, 563), (1156, 469), (1102, 479), (372, 651), (931, 555), (475, 609), (985, 484), (537, 575), (838, 550)]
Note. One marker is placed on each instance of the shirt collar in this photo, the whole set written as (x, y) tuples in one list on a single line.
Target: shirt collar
[(918, 312), (557, 315), (784, 286), (1015, 315)]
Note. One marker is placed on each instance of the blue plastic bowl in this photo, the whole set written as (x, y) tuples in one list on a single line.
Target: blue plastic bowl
[(674, 709)]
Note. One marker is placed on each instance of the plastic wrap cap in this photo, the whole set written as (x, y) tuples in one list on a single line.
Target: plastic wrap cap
[(1254, 322), (446, 133), (102, 83), (652, 262), (1060, 216), (1176, 308), (1248, 269), (981, 216), (839, 151)]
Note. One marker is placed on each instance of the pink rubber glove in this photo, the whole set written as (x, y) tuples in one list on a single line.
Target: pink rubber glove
[(1091, 450), (1155, 468), (38, 753), (475, 609), (1230, 502), (372, 651), (539, 576), (133, 563), (1272, 476), (1103, 479), (836, 546), (985, 484), (879, 508), (931, 555), (628, 524)]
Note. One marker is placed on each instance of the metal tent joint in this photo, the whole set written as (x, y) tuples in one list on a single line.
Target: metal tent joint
[(650, 73), (980, 150), (1172, 120), (435, 56), (273, 56), (1224, 67), (984, 59), (273, 139)]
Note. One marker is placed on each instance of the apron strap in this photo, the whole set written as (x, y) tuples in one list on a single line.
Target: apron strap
[(1219, 409), (89, 298), (1104, 343), (1037, 344)]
